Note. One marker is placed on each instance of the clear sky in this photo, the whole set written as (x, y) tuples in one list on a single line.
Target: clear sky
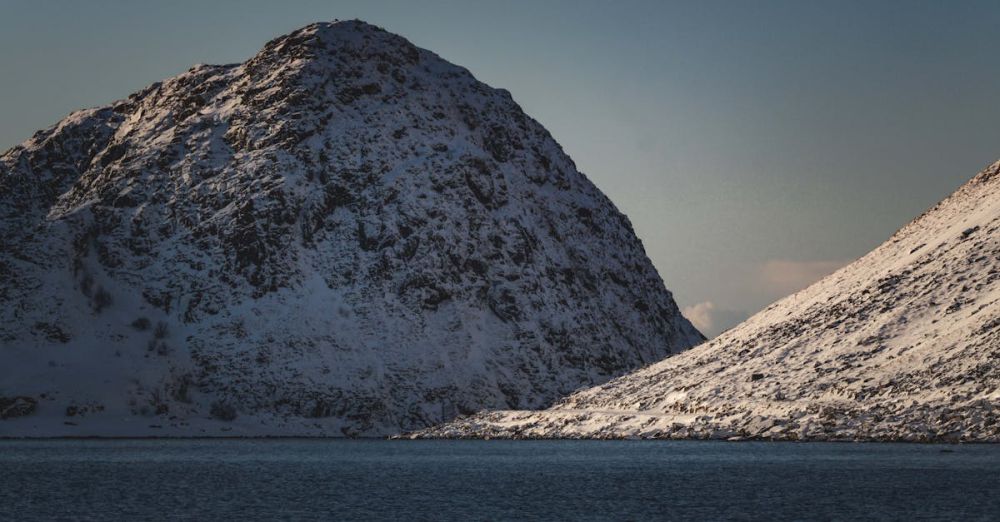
[(755, 145)]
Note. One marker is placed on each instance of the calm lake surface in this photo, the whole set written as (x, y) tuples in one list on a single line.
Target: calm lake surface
[(494, 480)]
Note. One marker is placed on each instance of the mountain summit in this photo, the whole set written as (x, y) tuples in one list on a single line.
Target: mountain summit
[(345, 234)]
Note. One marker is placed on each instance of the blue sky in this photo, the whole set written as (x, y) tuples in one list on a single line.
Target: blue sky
[(754, 145)]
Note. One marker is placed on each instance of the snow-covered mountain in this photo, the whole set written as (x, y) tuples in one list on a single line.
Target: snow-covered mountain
[(345, 234), (903, 344)]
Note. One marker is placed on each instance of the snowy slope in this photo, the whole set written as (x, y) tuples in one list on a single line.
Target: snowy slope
[(344, 235), (903, 344)]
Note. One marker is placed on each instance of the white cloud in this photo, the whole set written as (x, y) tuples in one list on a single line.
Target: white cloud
[(700, 315), (711, 320)]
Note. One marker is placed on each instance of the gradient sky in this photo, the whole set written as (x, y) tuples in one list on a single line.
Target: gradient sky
[(755, 145)]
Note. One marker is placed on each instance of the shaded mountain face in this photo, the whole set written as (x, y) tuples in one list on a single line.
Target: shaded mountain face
[(903, 344), (344, 235)]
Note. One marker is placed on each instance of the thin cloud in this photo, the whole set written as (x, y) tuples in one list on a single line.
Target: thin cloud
[(767, 282), (782, 277)]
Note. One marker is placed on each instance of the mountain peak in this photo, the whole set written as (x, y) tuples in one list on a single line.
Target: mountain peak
[(339, 28), (324, 41), (343, 235)]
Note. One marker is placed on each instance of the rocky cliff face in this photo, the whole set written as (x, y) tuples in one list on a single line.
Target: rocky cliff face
[(903, 344), (345, 234)]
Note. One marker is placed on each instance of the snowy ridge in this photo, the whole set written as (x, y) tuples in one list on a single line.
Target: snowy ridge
[(344, 235), (903, 344)]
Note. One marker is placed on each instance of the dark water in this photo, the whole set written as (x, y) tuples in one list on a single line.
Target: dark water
[(494, 480)]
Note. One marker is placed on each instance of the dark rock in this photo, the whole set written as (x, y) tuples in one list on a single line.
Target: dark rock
[(19, 406)]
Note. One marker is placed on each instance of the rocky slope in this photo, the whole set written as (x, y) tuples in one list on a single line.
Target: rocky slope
[(903, 344), (345, 234)]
